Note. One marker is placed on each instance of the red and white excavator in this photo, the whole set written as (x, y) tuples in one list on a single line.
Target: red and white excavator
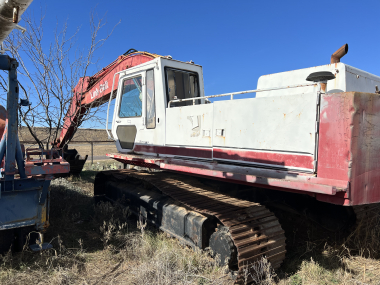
[(310, 136)]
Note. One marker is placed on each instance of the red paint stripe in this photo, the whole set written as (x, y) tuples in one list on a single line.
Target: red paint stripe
[(178, 151), (252, 179), (280, 159)]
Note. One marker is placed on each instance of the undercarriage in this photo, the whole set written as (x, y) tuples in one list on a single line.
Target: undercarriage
[(240, 232)]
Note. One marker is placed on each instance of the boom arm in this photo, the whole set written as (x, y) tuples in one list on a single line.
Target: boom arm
[(92, 91)]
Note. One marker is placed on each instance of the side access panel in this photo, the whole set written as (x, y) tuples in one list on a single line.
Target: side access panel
[(189, 126), (275, 131)]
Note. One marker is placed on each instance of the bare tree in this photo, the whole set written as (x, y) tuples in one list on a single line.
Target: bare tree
[(49, 72)]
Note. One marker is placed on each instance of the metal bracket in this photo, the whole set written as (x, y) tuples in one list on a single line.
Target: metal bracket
[(44, 192), (22, 29), (2, 49)]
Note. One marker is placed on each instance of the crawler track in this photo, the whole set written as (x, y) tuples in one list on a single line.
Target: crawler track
[(255, 230)]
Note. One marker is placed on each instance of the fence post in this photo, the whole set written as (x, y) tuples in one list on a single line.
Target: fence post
[(92, 153)]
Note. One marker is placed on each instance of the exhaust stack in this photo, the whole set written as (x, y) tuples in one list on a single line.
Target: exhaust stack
[(336, 56)]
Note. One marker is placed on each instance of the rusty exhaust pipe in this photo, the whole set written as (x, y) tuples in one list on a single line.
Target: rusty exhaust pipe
[(336, 56)]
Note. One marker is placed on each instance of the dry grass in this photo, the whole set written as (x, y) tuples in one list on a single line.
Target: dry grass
[(365, 239), (103, 244), (351, 270), (351, 260)]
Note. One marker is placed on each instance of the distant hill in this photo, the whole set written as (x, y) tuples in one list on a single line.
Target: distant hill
[(89, 135)]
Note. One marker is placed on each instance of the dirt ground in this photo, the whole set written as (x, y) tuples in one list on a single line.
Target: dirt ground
[(99, 135), (103, 244), (81, 142)]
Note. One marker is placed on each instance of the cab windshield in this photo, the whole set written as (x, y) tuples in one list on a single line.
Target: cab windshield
[(131, 98)]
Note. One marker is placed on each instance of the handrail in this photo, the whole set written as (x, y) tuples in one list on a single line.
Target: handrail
[(109, 104), (238, 93)]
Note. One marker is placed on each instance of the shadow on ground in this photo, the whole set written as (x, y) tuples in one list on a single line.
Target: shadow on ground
[(306, 240), (75, 217)]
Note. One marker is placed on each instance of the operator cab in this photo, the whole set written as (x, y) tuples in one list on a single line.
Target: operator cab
[(143, 94)]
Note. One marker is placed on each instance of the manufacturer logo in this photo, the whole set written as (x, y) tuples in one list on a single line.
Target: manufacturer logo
[(101, 89)]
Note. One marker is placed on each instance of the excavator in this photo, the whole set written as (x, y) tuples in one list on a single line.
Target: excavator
[(209, 172)]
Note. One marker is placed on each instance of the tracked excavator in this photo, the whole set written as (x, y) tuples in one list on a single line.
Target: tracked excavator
[(210, 173)]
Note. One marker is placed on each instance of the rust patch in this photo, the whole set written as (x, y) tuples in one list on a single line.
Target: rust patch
[(323, 87), (336, 56)]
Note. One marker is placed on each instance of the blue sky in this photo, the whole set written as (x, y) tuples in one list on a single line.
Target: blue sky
[(234, 41)]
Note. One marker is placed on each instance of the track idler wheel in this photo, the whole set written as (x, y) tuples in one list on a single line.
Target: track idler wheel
[(221, 244)]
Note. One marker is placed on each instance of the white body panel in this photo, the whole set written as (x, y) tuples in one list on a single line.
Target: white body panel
[(359, 80), (190, 125), (282, 123), (347, 78)]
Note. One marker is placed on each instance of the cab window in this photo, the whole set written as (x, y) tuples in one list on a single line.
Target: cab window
[(181, 84), (150, 104), (131, 98)]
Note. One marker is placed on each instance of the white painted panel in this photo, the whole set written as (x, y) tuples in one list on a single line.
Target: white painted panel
[(359, 80), (280, 123), (298, 77), (189, 125)]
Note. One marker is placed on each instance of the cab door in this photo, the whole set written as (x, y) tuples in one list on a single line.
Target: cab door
[(129, 111)]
